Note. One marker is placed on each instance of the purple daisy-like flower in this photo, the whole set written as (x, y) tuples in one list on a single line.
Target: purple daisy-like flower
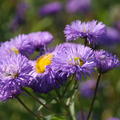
[(87, 88), (19, 44), (74, 59), (14, 74), (50, 8), (45, 78), (91, 31), (106, 61), (113, 119), (48, 81), (78, 6), (112, 37), (39, 39)]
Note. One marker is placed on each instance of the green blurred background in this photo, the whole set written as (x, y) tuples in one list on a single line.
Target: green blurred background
[(107, 11)]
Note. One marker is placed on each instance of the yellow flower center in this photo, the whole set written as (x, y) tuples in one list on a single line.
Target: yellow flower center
[(42, 62), (15, 50), (77, 61)]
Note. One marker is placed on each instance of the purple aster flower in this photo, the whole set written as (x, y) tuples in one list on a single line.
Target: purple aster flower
[(39, 39), (106, 61), (50, 8), (14, 74), (74, 59), (19, 44), (113, 119), (45, 78), (78, 6), (87, 88), (91, 31), (112, 37)]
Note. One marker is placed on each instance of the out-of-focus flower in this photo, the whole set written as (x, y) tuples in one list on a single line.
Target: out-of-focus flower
[(39, 39), (81, 115), (87, 88), (45, 77), (113, 119), (91, 31), (19, 44), (117, 25), (106, 61), (16, 22), (14, 74), (20, 16), (112, 37), (50, 8), (78, 6), (21, 9), (74, 59)]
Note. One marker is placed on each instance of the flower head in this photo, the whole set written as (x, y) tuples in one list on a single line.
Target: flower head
[(50, 8), (106, 61), (45, 77), (39, 39), (20, 17), (19, 44), (74, 59), (21, 9), (87, 88), (89, 30), (14, 74), (112, 37), (78, 6)]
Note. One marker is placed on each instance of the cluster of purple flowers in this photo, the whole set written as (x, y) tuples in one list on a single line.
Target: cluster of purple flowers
[(51, 69), (15, 65), (51, 8), (71, 6)]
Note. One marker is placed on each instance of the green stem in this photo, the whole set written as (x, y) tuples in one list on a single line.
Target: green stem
[(72, 109), (65, 90), (58, 96), (71, 106), (34, 97), (94, 97), (30, 111), (85, 42)]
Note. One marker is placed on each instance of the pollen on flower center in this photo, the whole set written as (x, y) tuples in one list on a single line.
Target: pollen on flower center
[(15, 50), (15, 75), (42, 62), (77, 61)]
